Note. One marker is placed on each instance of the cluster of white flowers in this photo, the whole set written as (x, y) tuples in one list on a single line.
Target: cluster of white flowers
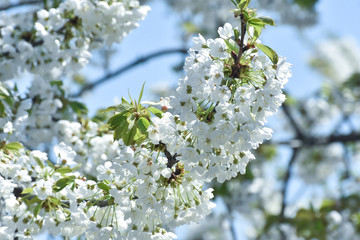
[(140, 191), (146, 195), (233, 124), (60, 38)]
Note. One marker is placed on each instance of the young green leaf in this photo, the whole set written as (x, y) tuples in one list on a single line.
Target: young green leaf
[(141, 92), (256, 22), (269, 52), (62, 183), (2, 110), (120, 130), (257, 32), (132, 102), (63, 170), (233, 2), (78, 107), (55, 200), (39, 162), (37, 209), (143, 124), (156, 111), (131, 123), (129, 136), (103, 186), (117, 119), (267, 20), (14, 146), (50, 164), (243, 4), (4, 91), (231, 44), (139, 137), (27, 191)]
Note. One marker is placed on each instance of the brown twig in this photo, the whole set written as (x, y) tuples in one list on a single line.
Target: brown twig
[(29, 2), (235, 69), (126, 68), (311, 141)]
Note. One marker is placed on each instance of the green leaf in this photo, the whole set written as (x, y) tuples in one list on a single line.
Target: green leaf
[(110, 109), (62, 183), (231, 44), (55, 200), (139, 137), (268, 21), (5, 94), (156, 111), (307, 4), (129, 136), (141, 92), (132, 102), (27, 191), (131, 122), (256, 22), (37, 209), (116, 120), (78, 107), (39, 162), (119, 131), (143, 124), (257, 32), (269, 52), (49, 163), (103, 186), (123, 106), (4, 91), (243, 4), (64, 170), (14, 146), (56, 83), (261, 22), (237, 34), (233, 2), (2, 110), (123, 101)]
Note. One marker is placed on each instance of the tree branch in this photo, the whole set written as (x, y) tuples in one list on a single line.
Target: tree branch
[(318, 140), (294, 124), (286, 182), (10, 6), (235, 69), (126, 68)]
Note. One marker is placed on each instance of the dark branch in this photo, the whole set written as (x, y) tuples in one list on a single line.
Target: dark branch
[(286, 182), (318, 140), (294, 124), (10, 6), (235, 69), (126, 68)]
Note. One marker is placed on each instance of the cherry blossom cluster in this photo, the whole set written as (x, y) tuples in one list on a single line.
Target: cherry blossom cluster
[(142, 180), (61, 38), (225, 116), (135, 189)]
